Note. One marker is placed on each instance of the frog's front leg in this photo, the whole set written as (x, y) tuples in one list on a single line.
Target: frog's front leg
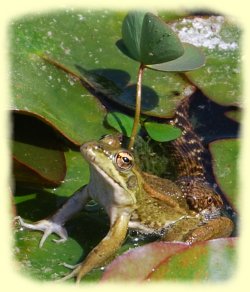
[(55, 223), (191, 230), (105, 249)]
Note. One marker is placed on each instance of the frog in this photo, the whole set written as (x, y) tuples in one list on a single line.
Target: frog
[(134, 200)]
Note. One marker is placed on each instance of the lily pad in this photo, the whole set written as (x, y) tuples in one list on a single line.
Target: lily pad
[(212, 260), (152, 103), (136, 264), (77, 174), (87, 39), (35, 262), (42, 90), (208, 260), (219, 39), (37, 153), (225, 154)]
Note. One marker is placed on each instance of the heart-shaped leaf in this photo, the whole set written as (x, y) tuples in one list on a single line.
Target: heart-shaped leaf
[(149, 40), (192, 59), (162, 132)]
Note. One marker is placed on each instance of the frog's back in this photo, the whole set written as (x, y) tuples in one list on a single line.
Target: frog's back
[(160, 204)]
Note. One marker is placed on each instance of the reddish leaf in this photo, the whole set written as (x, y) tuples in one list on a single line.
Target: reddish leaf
[(212, 259), (138, 263)]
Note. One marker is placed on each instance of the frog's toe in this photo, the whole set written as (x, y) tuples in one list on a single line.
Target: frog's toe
[(73, 274)]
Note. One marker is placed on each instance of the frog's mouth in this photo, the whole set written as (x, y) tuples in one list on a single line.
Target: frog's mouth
[(90, 150)]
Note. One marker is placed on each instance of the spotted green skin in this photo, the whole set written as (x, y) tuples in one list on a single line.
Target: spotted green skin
[(133, 200)]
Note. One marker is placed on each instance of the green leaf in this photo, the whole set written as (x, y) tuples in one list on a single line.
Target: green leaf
[(136, 264), (219, 39), (225, 154), (149, 40), (121, 122), (77, 174), (86, 39), (158, 42), (37, 153), (162, 132), (213, 260), (153, 104), (235, 115), (131, 33), (36, 263), (42, 90), (192, 59), (207, 260)]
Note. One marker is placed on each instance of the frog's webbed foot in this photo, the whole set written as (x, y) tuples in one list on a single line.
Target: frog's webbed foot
[(75, 270), (47, 227)]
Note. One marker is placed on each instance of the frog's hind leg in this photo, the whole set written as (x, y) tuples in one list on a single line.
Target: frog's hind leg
[(191, 230), (215, 228), (104, 250)]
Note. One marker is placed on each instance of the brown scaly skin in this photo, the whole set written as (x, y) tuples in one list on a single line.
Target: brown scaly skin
[(189, 152)]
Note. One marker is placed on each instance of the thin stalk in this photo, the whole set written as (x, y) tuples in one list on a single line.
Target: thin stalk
[(137, 107)]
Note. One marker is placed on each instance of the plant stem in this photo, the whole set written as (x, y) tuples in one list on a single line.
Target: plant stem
[(137, 107)]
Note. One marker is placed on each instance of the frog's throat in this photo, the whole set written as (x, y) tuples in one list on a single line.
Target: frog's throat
[(113, 184)]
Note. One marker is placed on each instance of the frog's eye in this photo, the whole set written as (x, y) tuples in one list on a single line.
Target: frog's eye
[(124, 160)]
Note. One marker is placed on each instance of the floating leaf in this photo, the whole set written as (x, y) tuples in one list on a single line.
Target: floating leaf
[(192, 59), (225, 154), (38, 157), (219, 39), (121, 122), (208, 260), (162, 132), (213, 260), (36, 263), (136, 264), (77, 174), (42, 90), (81, 38), (152, 103)]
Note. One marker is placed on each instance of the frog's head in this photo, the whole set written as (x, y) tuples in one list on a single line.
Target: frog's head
[(113, 163)]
